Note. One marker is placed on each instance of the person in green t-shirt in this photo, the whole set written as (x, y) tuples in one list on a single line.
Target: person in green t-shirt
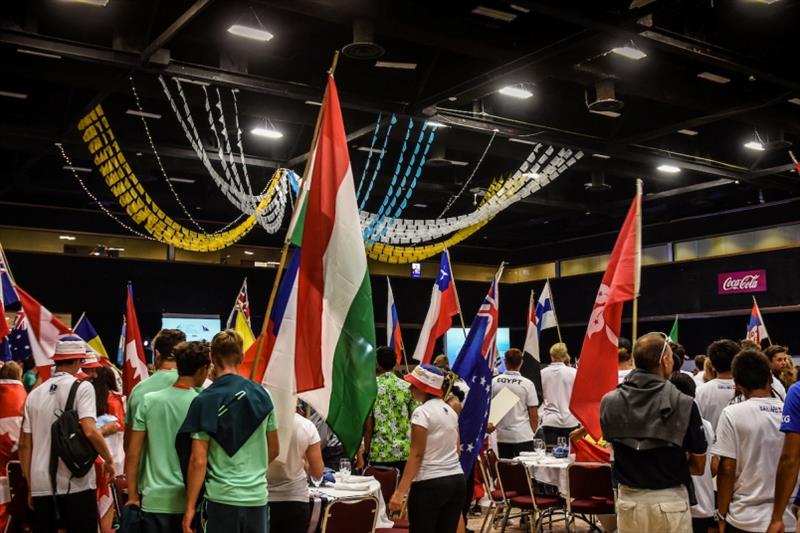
[(163, 347), (155, 427), (234, 437)]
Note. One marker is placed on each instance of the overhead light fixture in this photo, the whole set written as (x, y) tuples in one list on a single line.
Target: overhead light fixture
[(76, 169), (668, 169), (795, 101), (601, 156), (145, 114), (115, 249), (690, 133), (312, 102), (399, 65), (459, 163), (98, 3), (754, 145), (266, 264), (495, 14), (716, 78), (11, 94), (436, 124), (519, 8), (629, 51), (248, 252), (421, 206), (588, 213), (269, 133), (452, 98), (67, 237), (522, 141), (37, 53), (516, 91), (369, 149), (612, 114), (248, 32), (181, 180)]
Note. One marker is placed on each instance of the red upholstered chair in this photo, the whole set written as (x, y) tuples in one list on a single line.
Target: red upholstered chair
[(20, 519), (494, 492), (350, 516), (589, 492), (387, 476), (514, 476)]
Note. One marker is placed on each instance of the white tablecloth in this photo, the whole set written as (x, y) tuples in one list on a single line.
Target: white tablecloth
[(549, 471), (320, 495)]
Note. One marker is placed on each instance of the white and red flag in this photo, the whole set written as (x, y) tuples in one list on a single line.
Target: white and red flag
[(756, 330), (443, 307), (134, 366), (598, 363), (43, 331)]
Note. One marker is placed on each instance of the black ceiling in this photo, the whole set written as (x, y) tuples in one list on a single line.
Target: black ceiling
[(557, 48)]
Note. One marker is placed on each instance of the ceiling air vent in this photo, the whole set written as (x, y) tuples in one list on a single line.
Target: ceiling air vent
[(605, 99), (363, 46)]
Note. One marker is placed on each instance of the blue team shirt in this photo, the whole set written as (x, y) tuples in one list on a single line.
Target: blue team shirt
[(791, 411)]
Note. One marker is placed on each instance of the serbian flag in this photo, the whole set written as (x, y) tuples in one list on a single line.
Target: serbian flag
[(440, 312), (8, 294), (134, 367), (393, 338), (43, 331), (597, 367), (756, 330)]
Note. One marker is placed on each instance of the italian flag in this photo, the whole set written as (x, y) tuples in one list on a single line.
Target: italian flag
[(334, 326)]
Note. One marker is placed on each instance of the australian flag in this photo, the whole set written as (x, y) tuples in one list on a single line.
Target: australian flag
[(474, 365), (17, 346)]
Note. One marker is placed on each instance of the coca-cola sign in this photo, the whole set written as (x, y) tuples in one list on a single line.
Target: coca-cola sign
[(742, 282)]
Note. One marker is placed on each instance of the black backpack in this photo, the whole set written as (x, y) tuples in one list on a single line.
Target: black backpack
[(68, 442)]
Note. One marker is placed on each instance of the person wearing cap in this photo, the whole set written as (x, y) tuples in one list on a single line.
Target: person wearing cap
[(75, 497), (432, 479), (166, 374)]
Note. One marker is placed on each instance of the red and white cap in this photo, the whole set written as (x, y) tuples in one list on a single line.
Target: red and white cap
[(427, 378), (91, 361), (69, 346)]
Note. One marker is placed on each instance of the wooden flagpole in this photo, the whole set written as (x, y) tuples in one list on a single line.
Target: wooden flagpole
[(287, 240), (455, 291), (235, 303), (553, 303)]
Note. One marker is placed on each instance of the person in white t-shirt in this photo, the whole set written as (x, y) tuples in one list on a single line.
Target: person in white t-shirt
[(557, 381), (624, 359), (432, 479), (777, 356), (75, 497), (699, 369), (748, 443), (516, 429), (287, 481), (713, 396)]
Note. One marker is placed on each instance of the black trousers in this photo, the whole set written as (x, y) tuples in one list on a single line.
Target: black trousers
[(78, 513), (161, 523), (551, 434), (434, 505), (222, 518), (701, 525), (509, 450), (289, 517)]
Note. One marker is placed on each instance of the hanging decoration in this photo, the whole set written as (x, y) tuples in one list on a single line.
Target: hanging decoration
[(454, 199), (392, 122), (125, 186)]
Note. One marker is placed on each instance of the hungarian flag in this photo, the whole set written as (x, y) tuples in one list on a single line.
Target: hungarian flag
[(441, 310), (756, 330), (598, 364), (134, 367), (335, 337), (43, 331), (531, 360), (393, 338)]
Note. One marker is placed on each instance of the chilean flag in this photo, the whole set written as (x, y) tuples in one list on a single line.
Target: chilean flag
[(43, 331), (134, 368), (8, 294), (440, 313), (756, 330), (597, 369), (393, 338)]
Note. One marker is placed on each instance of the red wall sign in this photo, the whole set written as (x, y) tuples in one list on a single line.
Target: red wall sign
[(742, 282)]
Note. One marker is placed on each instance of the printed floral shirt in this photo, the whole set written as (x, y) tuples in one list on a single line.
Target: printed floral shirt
[(391, 437)]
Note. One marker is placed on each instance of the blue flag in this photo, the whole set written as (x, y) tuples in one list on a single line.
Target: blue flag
[(474, 365)]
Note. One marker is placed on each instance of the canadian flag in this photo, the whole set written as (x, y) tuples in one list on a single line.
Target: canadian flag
[(134, 368), (598, 364), (43, 331)]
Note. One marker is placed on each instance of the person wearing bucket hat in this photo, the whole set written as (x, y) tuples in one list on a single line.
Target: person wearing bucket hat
[(433, 479), (74, 496), (91, 363)]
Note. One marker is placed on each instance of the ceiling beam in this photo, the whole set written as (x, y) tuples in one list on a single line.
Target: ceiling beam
[(173, 29)]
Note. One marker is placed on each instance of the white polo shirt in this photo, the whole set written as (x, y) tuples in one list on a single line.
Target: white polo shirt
[(699, 379), (515, 426), (704, 484), (287, 482), (749, 432), (713, 396), (557, 382), (40, 412), (778, 388), (441, 446)]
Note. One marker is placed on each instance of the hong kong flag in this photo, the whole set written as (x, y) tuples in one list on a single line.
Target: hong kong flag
[(598, 364), (134, 368)]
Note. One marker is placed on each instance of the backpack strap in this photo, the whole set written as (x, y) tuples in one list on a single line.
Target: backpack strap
[(53, 455), (73, 391)]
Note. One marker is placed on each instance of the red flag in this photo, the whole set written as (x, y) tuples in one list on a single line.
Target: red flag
[(134, 367), (43, 331), (597, 366), (12, 399)]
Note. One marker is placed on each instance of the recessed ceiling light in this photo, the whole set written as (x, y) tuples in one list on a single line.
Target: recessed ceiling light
[(37, 53), (67, 237), (436, 124), (612, 114), (522, 141), (145, 114), (629, 52), (421, 206), (369, 149), (399, 65), (669, 169), (76, 169), (588, 213), (521, 9), (795, 101), (248, 252), (496, 14), (249, 32), (10, 94), (716, 78), (690, 133), (98, 3), (312, 102), (516, 91), (181, 180), (754, 145), (267, 132)]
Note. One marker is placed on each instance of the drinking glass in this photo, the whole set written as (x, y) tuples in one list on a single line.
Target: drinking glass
[(539, 446), (561, 442), (344, 469)]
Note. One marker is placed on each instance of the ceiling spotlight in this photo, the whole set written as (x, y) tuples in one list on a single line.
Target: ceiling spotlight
[(436, 124), (67, 237), (248, 252), (144, 114), (269, 133), (248, 32), (629, 51), (754, 145), (669, 169), (690, 133), (516, 91)]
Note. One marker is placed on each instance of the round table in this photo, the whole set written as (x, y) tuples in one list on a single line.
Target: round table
[(320, 497), (548, 470)]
